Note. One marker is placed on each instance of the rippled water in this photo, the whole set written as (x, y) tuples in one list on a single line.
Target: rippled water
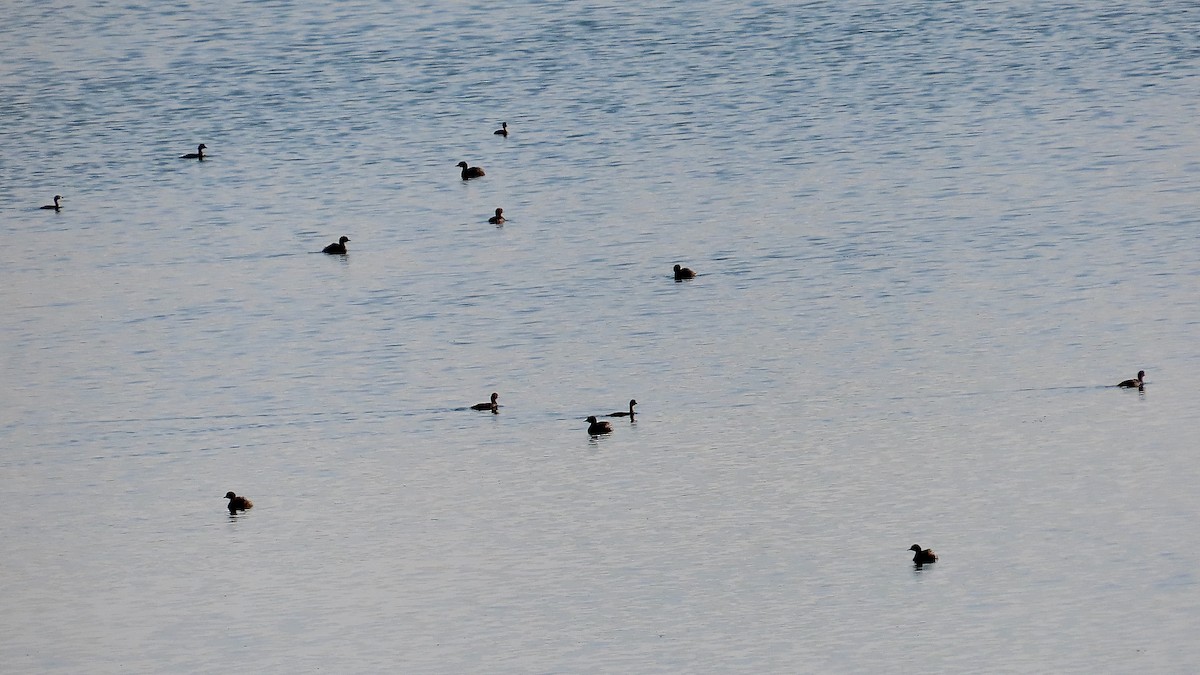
[(928, 237)]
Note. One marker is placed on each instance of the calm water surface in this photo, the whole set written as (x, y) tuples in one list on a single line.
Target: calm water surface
[(928, 238)]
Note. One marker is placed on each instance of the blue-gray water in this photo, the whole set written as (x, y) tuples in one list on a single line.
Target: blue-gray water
[(930, 237)]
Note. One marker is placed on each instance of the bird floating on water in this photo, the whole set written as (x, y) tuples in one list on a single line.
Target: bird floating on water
[(469, 172), (624, 414), (922, 557), (596, 428), (198, 154), (682, 273), (1138, 381), (497, 219), (55, 206), (503, 130), (337, 249), (493, 406), (237, 503)]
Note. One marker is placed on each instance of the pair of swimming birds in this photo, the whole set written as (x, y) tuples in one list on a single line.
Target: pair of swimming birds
[(595, 426)]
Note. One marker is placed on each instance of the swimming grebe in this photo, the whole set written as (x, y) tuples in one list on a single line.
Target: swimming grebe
[(497, 219), (503, 130), (337, 249), (55, 206), (198, 154), (624, 414), (237, 503), (469, 172), (1138, 382), (922, 557), (596, 428), (488, 406), (682, 273)]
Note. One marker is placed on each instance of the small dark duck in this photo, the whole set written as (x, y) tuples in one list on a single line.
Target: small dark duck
[(624, 414), (596, 428), (1137, 382), (198, 154), (337, 249), (682, 273), (55, 206), (502, 131), (469, 172), (237, 503), (488, 406), (922, 556), (497, 219)]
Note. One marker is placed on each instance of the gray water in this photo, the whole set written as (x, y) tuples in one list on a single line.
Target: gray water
[(929, 238)]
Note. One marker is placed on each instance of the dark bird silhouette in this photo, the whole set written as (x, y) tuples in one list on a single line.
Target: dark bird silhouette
[(624, 414), (503, 130), (337, 249), (497, 219), (198, 154), (1138, 382), (596, 428), (488, 406), (682, 273), (922, 557), (237, 503), (469, 172), (55, 206)]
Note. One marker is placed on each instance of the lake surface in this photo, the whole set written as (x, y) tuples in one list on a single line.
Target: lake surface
[(929, 239)]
